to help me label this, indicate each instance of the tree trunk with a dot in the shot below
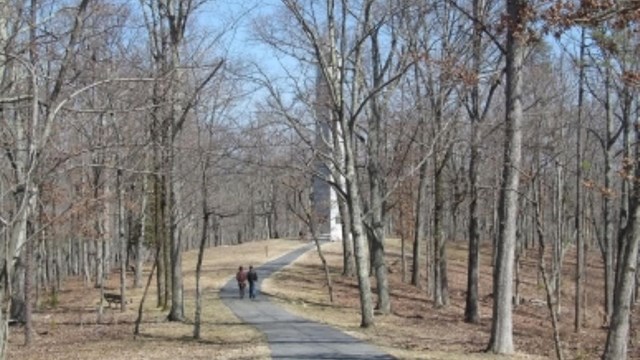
(136, 330)
(625, 194)
(471, 314)
(403, 257)
(440, 291)
(159, 238)
(421, 216)
(325, 266)
(177, 307)
(348, 261)
(122, 241)
(543, 271)
(608, 239)
(28, 271)
(558, 247)
(40, 277)
(518, 263)
(440, 158)
(471, 304)
(430, 256)
(4, 323)
(501, 341)
(203, 241)
(376, 191)
(579, 306)
(167, 242)
(101, 286)
(137, 281)
(359, 237)
(275, 233)
(86, 263)
(28, 281)
(17, 263)
(17, 310)
(618, 335)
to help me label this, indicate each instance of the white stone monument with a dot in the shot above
(324, 198)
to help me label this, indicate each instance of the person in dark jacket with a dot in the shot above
(252, 276)
(241, 277)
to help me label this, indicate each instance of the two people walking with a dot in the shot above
(243, 277)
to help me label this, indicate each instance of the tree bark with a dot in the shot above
(580, 244)
(501, 341)
(28, 283)
(159, 239)
(176, 312)
(473, 261)
(377, 204)
(348, 261)
(440, 291)
(203, 240)
(137, 280)
(608, 239)
(357, 231)
(28, 328)
(4, 321)
(421, 206)
(136, 330)
(545, 280)
(618, 334)
(471, 304)
(558, 247)
(103, 246)
(122, 240)
(419, 228)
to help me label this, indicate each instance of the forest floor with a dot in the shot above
(414, 330)
(70, 330)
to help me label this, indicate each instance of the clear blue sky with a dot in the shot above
(241, 14)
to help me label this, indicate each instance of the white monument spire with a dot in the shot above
(325, 199)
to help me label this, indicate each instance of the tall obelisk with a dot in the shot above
(325, 200)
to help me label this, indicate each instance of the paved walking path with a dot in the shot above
(290, 336)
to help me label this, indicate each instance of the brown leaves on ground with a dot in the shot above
(414, 330)
(70, 329)
(418, 330)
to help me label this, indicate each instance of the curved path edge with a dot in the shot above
(290, 336)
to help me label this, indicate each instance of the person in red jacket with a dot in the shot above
(241, 277)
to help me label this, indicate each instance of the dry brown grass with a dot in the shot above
(418, 330)
(70, 330)
(415, 329)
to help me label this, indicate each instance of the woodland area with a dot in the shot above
(134, 131)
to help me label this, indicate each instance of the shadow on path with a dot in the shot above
(290, 336)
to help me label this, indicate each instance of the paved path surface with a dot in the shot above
(290, 336)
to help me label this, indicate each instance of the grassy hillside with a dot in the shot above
(418, 330)
(69, 330)
(414, 330)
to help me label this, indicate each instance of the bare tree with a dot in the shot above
(502, 322)
(206, 214)
(478, 110)
(167, 23)
(338, 53)
(580, 243)
(31, 135)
